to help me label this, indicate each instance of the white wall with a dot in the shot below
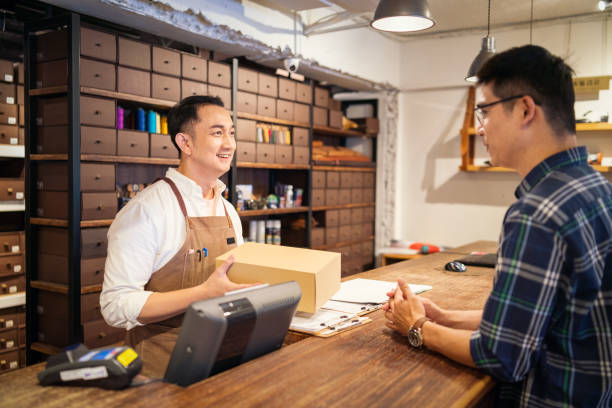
(437, 202)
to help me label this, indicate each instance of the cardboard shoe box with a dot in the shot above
(247, 80)
(54, 268)
(318, 179)
(333, 179)
(317, 272)
(246, 102)
(301, 155)
(246, 130)
(9, 135)
(133, 81)
(12, 242)
(194, 67)
(7, 93)
(245, 151)
(317, 237)
(318, 197)
(134, 54)
(219, 74)
(11, 189)
(300, 136)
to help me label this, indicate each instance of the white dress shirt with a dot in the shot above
(145, 235)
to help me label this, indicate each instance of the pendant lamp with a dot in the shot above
(487, 50)
(399, 16)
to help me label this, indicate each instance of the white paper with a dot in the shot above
(370, 290)
(317, 321)
(349, 307)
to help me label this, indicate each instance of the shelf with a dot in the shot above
(103, 92)
(259, 118)
(343, 206)
(484, 169)
(5, 254)
(274, 166)
(324, 130)
(17, 151)
(10, 206)
(108, 159)
(45, 348)
(277, 211)
(593, 127)
(14, 299)
(341, 244)
(63, 289)
(54, 222)
(334, 164)
(345, 168)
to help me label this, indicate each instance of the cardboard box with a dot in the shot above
(317, 272)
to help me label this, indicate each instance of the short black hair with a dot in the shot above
(185, 113)
(532, 70)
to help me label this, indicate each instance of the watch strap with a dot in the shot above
(419, 323)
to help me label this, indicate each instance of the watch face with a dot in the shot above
(414, 338)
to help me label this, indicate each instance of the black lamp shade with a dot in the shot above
(486, 51)
(402, 15)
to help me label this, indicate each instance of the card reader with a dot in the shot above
(111, 368)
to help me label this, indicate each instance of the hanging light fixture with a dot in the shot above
(603, 5)
(486, 51)
(402, 15)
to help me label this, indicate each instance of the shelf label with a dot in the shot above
(592, 84)
(13, 140)
(15, 248)
(8, 78)
(12, 120)
(10, 100)
(17, 268)
(13, 289)
(19, 195)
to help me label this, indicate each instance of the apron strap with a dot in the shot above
(229, 219)
(176, 193)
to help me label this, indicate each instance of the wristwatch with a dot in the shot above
(415, 336)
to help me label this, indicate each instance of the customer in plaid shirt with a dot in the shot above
(546, 329)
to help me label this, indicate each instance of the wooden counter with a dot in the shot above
(367, 366)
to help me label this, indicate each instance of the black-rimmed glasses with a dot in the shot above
(482, 114)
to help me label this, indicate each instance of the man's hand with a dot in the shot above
(403, 309)
(218, 283)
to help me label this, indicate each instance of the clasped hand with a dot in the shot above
(403, 309)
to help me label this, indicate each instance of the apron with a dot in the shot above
(189, 267)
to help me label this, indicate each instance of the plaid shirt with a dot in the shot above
(546, 329)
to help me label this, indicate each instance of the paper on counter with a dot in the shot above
(317, 321)
(350, 307)
(370, 291)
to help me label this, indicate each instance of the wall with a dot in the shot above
(439, 203)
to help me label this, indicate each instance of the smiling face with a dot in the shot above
(213, 144)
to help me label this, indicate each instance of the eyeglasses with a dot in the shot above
(481, 114)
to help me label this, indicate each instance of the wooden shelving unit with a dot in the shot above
(63, 289)
(272, 166)
(267, 119)
(342, 244)
(54, 222)
(274, 211)
(329, 131)
(345, 168)
(57, 90)
(343, 206)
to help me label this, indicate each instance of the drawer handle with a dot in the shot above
(219, 75)
(99, 271)
(132, 144)
(166, 62)
(99, 243)
(164, 147)
(166, 88)
(101, 335)
(96, 112)
(267, 86)
(97, 142)
(97, 75)
(8, 266)
(248, 81)
(97, 177)
(100, 207)
(10, 190)
(98, 45)
(193, 68)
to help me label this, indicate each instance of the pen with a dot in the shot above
(205, 251)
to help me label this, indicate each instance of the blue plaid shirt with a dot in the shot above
(546, 326)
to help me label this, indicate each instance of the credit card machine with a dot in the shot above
(111, 367)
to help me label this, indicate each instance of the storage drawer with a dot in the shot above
(54, 268)
(98, 44)
(332, 218)
(267, 85)
(245, 151)
(165, 87)
(246, 130)
(319, 116)
(368, 195)
(266, 106)
(303, 93)
(368, 214)
(335, 119)
(318, 179)
(357, 215)
(368, 179)
(284, 110)
(283, 154)
(166, 61)
(11, 242)
(7, 93)
(162, 146)
(52, 112)
(223, 93)
(335, 104)
(9, 318)
(264, 153)
(301, 113)
(8, 114)
(247, 80)
(345, 233)
(21, 115)
(12, 265)
(21, 94)
(356, 196)
(94, 206)
(333, 179)
(286, 89)
(55, 306)
(9, 135)
(317, 237)
(300, 136)
(133, 82)
(52, 73)
(134, 54)
(358, 179)
(97, 74)
(331, 235)
(368, 229)
(12, 284)
(345, 196)
(132, 143)
(94, 177)
(344, 217)
(7, 71)
(301, 155)
(99, 334)
(95, 140)
(321, 97)
(11, 189)
(346, 179)
(318, 197)
(332, 196)
(190, 88)
(98, 111)
(246, 102)
(194, 68)
(9, 361)
(219, 74)
(51, 46)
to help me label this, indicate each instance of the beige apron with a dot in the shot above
(189, 267)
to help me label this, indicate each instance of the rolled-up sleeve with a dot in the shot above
(518, 311)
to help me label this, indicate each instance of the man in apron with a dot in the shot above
(162, 245)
